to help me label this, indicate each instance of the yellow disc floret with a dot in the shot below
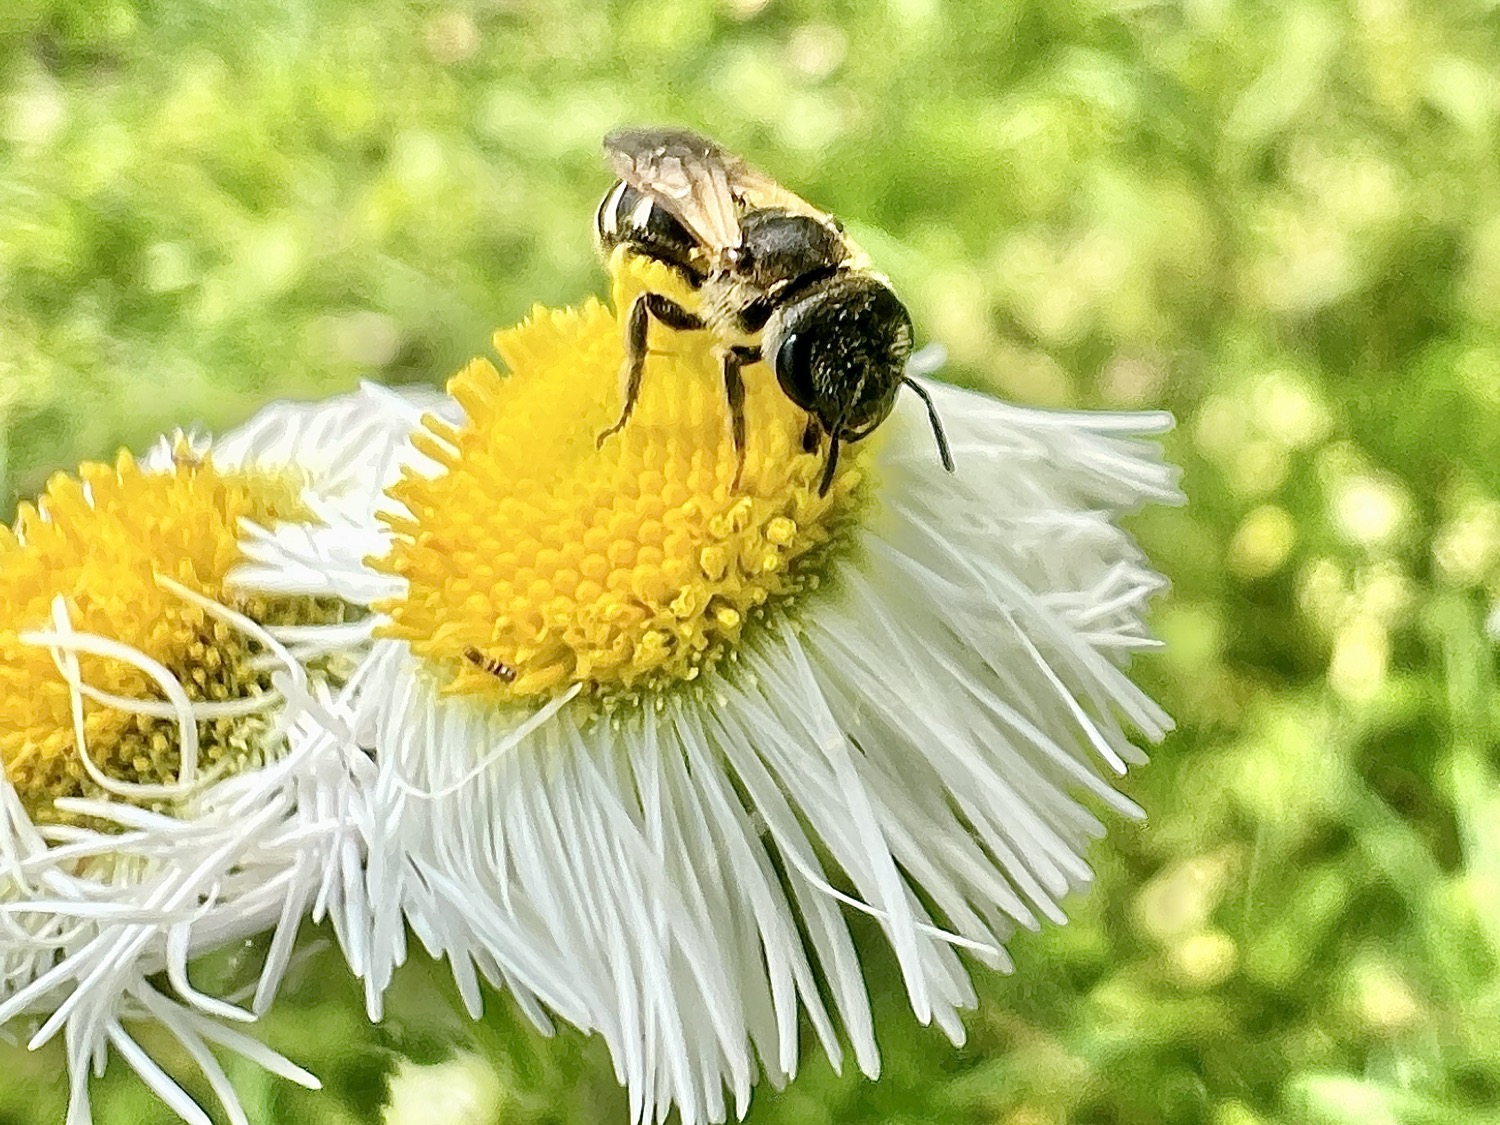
(99, 540)
(537, 559)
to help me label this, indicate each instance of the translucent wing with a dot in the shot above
(754, 189)
(701, 184)
(687, 174)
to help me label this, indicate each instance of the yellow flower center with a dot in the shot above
(536, 559)
(99, 541)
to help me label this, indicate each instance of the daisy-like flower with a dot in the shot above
(645, 738)
(165, 790)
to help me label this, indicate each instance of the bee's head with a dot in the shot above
(839, 351)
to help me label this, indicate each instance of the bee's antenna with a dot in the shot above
(831, 464)
(937, 423)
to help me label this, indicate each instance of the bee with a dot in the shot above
(777, 280)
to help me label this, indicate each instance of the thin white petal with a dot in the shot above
(932, 720)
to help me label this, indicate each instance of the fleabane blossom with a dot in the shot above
(165, 790)
(646, 737)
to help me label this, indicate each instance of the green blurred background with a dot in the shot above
(1281, 221)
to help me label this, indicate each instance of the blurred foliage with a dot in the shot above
(1280, 221)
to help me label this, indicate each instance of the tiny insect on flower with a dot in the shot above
(651, 717)
(164, 791)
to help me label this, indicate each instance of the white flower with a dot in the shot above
(644, 738)
(165, 790)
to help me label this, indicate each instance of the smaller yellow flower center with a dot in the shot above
(99, 541)
(536, 560)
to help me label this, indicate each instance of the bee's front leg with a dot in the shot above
(642, 309)
(812, 435)
(735, 358)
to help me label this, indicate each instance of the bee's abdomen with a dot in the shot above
(631, 218)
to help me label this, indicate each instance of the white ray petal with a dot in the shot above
(926, 739)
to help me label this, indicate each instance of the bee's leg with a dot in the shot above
(635, 362)
(830, 465)
(642, 309)
(736, 358)
(670, 313)
(811, 435)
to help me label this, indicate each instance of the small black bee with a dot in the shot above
(777, 279)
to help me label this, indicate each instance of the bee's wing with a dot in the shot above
(687, 174)
(755, 190)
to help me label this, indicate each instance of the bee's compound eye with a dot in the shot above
(793, 363)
